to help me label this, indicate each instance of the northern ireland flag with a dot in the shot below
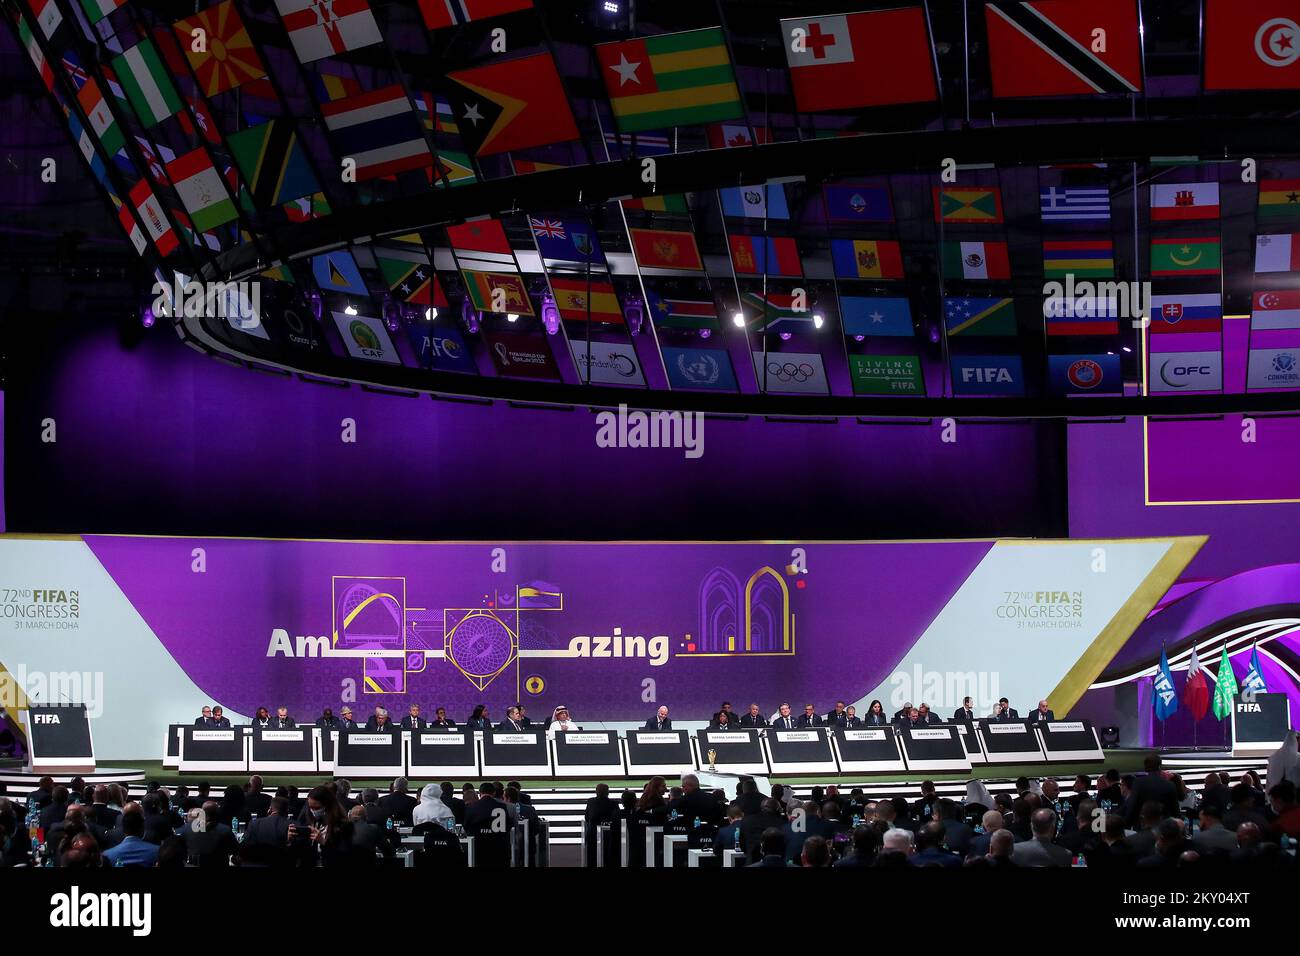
(321, 28)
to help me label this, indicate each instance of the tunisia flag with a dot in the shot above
(1196, 693)
(860, 59)
(1252, 46)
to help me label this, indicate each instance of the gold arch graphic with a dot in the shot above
(787, 619)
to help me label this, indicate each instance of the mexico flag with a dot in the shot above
(976, 260)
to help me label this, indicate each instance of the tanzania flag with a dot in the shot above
(967, 205)
(228, 58)
(572, 299)
(674, 79)
(671, 203)
(1089, 258)
(202, 190)
(1165, 698)
(481, 287)
(778, 256)
(411, 281)
(976, 260)
(867, 259)
(273, 163)
(666, 249)
(1185, 257)
(677, 313)
(1279, 198)
(147, 85)
(976, 316)
(1225, 688)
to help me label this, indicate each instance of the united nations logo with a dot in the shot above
(699, 369)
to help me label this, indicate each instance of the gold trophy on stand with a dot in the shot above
(712, 755)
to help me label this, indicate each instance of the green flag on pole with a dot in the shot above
(1225, 687)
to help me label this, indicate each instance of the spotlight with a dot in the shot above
(634, 312)
(738, 320)
(469, 315)
(786, 336)
(859, 338)
(147, 317)
(316, 305)
(818, 321)
(610, 7)
(511, 317)
(550, 314)
(349, 309)
(706, 333)
(1127, 349)
(430, 313)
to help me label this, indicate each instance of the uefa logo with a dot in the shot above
(1084, 373)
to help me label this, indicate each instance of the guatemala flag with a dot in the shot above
(1166, 698)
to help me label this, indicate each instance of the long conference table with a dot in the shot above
(454, 753)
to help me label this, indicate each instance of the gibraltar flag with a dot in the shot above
(1196, 693)
(321, 28)
(860, 59)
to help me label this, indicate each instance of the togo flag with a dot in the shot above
(1225, 688)
(147, 84)
(202, 190)
(1166, 698)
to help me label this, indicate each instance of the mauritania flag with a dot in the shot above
(1185, 257)
(876, 315)
(969, 315)
(1279, 198)
(1253, 682)
(1074, 203)
(1225, 687)
(96, 10)
(674, 79)
(202, 190)
(1165, 697)
(147, 84)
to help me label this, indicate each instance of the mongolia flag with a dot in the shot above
(854, 60)
(1253, 682)
(1225, 687)
(572, 299)
(1166, 698)
(378, 130)
(867, 259)
(780, 259)
(1277, 253)
(1197, 691)
(321, 28)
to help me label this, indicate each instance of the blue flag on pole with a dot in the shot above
(1253, 682)
(1166, 698)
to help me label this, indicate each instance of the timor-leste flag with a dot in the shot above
(666, 249)
(967, 204)
(1048, 47)
(858, 60)
(515, 104)
(1252, 46)
(1279, 198)
(674, 79)
(218, 48)
(1185, 257)
(573, 299)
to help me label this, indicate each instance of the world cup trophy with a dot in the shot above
(712, 755)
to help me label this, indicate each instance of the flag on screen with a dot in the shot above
(618, 145)
(858, 204)
(665, 249)
(307, 207)
(486, 289)
(877, 58)
(229, 58)
(676, 312)
(1080, 257)
(449, 13)
(1196, 691)
(321, 28)
(731, 135)
(1253, 682)
(203, 124)
(525, 166)
(1275, 310)
(876, 315)
(1183, 201)
(572, 298)
(778, 256)
(29, 41)
(1279, 198)
(1047, 48)
(569, 240)
(154, 160)
(515, 104)
(1074, 203)
(380, 131)
(273, 163)
(87, 146)
(47, 15)
(1251, 46)
(202, 191)
(673, 79)
(483, 243)
(72, 66)
(966, 315)
(410, 277)
(674, 203)
(96, 10)
(867, 259)
(1279, 252)
(152, 94)
(1085, 374)
(337, 272)
(1165, 697)
(975, 204)
(1201, 312)
(773, 311)
(755, 202)
(130, 225)
(155, 221)
(327, 87)
(1225, 686)
(976, 260)
(1082, 315)
(101, 118)
(1185, 257)
(455, 167)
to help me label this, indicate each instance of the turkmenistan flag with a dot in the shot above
(147, 84)
(674, 79)
(1185, 257)
(1225, 687)
(202, 190)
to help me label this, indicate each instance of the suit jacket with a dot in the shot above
(751, 833)
(725, 838)
(962, 714)
(417, 723)
(781, 722)
(1217, 838)
(102, 814)
(751, 803)
(697, 803)
(1036, 716)
(876, 720)
(373, 726)
(654, 724)
(1036, 852)
(1011, 714)
(442, 723)
(806, 721)
(478, 723)
(480, 816)
(204, 722)
(211, 847)
(132, 851)
(52, 814)
(749, 720)
(287, 723)
(834, 719)
(347, 723)
(513, 726)
(1152, 787)
(851, 722)
(399, 806)
(268, 831)
(934, 857)
(329, 723)
(600, 811)
(158, 827)
(221, 722)
(931, 718)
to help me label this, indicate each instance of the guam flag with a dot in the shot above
(1166, 698)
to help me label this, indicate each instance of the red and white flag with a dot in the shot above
(321, 28)
(155, 221)
(1252, 46)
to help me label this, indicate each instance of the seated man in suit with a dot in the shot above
(205, 719)
(398, 803)
(1005, 711)
(380, 721)
(836, 717)
(904, 712)
(272, 829)
(754, 718)
(912, 720)
(965, 712)
(524, 719)
(784, 719)
(345, 720)
(440, 719)
(327, 721)
(695, 802)
(851, 718)
(753, 827)
(602, 808)
(368, 840)
(413, 720)
(1041, 850)
(282, 719)
(927, 715)
(219, 718)
(513, 722)
(810, 717)
(659, 721)
(728, 835)
(1213, 837)
(256, 802)
(1042, 714)
(100, 812)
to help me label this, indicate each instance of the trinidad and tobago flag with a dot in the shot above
(1047, 47)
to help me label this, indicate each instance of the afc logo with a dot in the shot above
(46, 718)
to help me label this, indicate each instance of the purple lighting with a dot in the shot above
(469, 315)
(147, 317)
(550, 314)
(634, 312)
